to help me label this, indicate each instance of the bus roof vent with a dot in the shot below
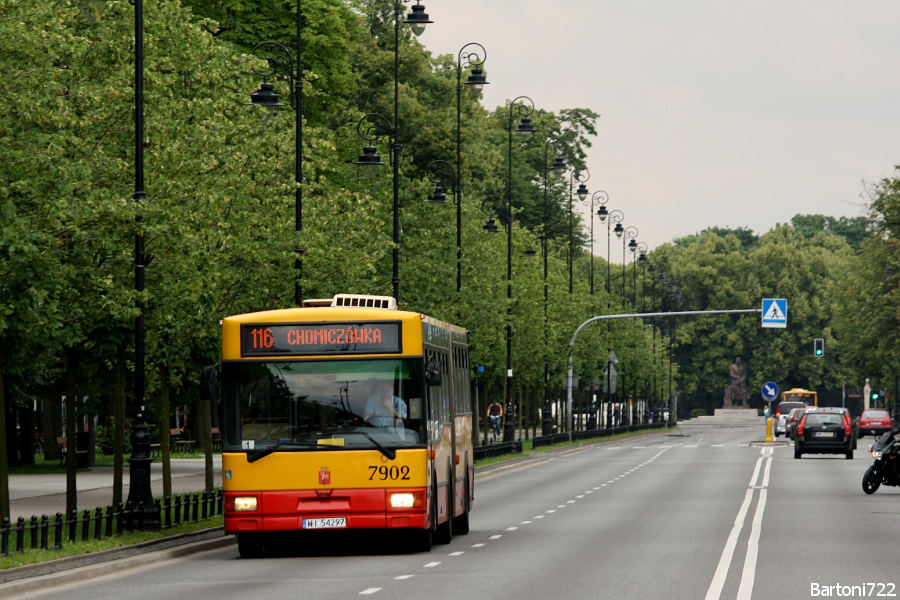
(312, 303)
(364, 301)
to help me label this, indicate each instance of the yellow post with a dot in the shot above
(769, 438)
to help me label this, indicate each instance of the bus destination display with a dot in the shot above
(300, 339)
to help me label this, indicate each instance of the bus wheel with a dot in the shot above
(444, 532)
(250, 545)
(461, 523)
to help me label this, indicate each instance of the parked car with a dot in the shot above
(875, 421)
(825, 431)
(793, 419)
(781, 414)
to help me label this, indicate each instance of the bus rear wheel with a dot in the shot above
(461, 523)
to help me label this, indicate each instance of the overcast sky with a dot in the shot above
(732, 114)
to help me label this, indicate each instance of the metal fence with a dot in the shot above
(557, 438)
(497, 449)
(100, 524)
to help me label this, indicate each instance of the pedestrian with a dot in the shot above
(494, 412)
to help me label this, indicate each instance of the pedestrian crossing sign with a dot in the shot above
(774, 312)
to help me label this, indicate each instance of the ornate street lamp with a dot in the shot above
(627, 234)
(582, 195)
(472, 56)
(140, 496)
(417, 19)
(558, 166)
(281, 64)
(601, 198)
(523, 106)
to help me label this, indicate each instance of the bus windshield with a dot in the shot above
(319, 405)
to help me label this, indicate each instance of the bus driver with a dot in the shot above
(384, 408)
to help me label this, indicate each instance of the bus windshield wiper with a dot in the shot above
(386, 451)
(270, 449)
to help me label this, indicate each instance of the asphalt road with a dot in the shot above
(706, 514)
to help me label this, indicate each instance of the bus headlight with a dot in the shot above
(244, 503)
(406, 500)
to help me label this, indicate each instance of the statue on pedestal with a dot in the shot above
(736, 394)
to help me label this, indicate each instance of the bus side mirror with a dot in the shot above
(433, 373)
(208, 383)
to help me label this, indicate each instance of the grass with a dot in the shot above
(79, 548)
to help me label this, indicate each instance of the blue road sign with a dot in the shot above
(774, 312)
(769, 390)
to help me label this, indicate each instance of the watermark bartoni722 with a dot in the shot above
(865, 590)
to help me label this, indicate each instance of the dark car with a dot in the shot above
(793, 419)
(781, 414)
(875, 421)
(825, 431)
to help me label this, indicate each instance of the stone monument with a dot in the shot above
(736, 394)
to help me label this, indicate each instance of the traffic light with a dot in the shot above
(819, 347)
(875, 397)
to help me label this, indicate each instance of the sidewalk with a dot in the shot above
(46, 494)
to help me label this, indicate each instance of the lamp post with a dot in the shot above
(628, 234)
(557, 166)
(417, 19)
(140, 496)
(600, 197)
(643, 260)
(492, 205)
(440, 172)
(582, 195)
(616, 216)
(281, 64)
(472, 56)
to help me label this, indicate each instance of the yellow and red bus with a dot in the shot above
(345, 414)
(807, 397)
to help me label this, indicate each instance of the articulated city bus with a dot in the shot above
(345, 414)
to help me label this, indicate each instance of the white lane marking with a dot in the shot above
(582, 495)
(495, 537)
(404, 577)
(477, 545)
(717, 446)
(588, 492)
(596, 488)
(524, 522)
(691, 446)
(431, 565)
(456, 553)
(748, 575)
(511, 528)
(718, 581)
(639, 447)
(551, 511)
(570, 502)
(369, 591)
(538, 516)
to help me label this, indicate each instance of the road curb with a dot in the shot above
(40, 576)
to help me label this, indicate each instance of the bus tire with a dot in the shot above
(461, 523)
(444, 532)
(250, 545)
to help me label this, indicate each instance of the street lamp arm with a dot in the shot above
(473, 58)
(373, 127)
(280, 62)
(440, 172)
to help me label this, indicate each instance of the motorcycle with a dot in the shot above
(886, 468)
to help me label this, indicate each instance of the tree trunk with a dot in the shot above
(4, 465)
(71, 432)
(207, 441)
(164, 427)
(118, 413)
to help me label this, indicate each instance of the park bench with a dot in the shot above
(178, 441)
(63, 450)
